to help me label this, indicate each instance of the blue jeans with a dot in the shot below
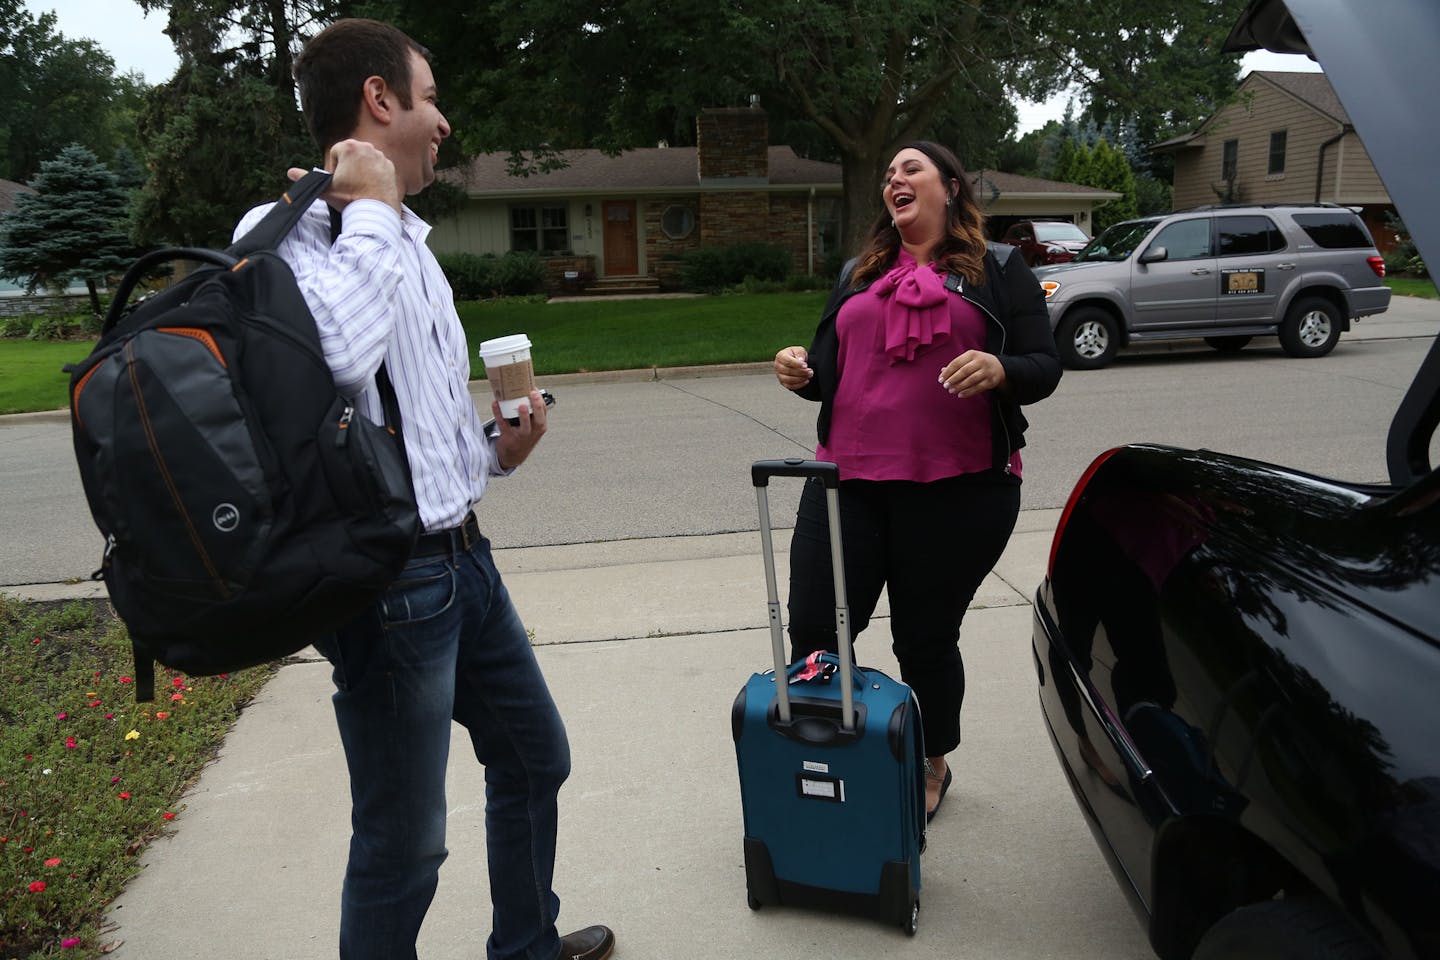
(445, 642)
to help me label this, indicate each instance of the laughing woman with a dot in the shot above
(928, 346)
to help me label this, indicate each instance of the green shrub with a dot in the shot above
(471, 276)
(480, 277)
(53, 327)
(712, 269)
(15, 326)
(518, 274)
(1404, 258)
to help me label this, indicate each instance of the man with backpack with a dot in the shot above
(444, 641)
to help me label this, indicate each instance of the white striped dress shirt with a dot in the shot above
(379, 294)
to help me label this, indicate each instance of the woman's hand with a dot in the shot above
(974, 371)
(791, 369)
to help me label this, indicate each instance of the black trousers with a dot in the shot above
(930, 545)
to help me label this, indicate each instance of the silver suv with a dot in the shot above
(1226, 273)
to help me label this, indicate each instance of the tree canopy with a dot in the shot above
(840, 80)
(58, 91)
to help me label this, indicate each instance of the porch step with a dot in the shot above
(616, 286)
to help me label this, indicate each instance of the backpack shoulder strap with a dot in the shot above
(272, 228)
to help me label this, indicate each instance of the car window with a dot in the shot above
(1017, 232)
(1335, 231)
(1185, 239)
(1059, 231)
(1241, 236)
(1117, 242)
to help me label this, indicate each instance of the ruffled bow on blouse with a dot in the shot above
(915, 310)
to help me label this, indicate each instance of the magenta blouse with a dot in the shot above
(892, 418)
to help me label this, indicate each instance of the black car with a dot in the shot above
(1239, 662)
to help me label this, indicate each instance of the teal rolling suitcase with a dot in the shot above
(831, 763)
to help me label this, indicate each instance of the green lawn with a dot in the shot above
(1412, 287)
(567, 337)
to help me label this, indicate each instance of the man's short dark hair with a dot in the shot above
(332, 69)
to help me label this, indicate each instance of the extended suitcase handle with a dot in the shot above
(760, 473)
(762, 470)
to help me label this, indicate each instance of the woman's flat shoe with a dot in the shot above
(930, 775)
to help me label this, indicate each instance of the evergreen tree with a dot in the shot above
(71, 226)
(1109, 170)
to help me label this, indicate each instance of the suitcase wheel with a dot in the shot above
(912, 924)
(751, 899)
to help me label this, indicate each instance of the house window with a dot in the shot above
(677, 221)
(1277, 153)
(827, 226)
(1229, 159)
(542, 229)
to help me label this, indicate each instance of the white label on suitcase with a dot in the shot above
(815, 766)
(821, 788)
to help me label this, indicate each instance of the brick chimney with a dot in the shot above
(732, 143)
(732, 148)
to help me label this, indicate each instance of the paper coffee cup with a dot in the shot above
(508, 368)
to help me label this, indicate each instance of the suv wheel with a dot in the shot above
(1087, 338)
(1300, 929)
(1311, 328)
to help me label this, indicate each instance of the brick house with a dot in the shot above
(1285, 138)
(628, 220)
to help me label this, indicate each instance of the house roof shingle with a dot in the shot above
(1312, 88)
(9, 190)
(657, 169)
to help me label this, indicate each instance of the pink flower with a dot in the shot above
(69, 743)
(115, 779)
(161, 714)
(177, 696)
(53, 862)
(69, 943)
(109, 716)
(61, 716)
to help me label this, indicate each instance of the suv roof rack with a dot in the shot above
(1263, 206)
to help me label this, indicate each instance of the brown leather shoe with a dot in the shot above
(592, 943)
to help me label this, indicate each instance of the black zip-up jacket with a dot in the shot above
(1017, 332)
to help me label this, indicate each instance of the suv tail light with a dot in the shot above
(1070, 505)
(1378, 265)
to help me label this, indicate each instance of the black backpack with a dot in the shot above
(247, 506)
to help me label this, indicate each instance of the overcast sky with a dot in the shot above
(137, 43)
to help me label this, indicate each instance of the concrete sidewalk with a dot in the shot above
(645, 644)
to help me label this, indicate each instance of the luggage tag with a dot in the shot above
(815, 667)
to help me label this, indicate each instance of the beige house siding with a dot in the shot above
(1264, 107)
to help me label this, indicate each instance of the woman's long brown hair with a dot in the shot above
(961, 250)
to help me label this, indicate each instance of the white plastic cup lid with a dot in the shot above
(511, 344)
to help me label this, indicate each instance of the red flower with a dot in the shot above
(125, 796)
(168, 816)
(53, 862)
(38, 886)
(69, 743)
(161, 714)
(94, 703)
(124, 679)
(177, 696)
(178, 682)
